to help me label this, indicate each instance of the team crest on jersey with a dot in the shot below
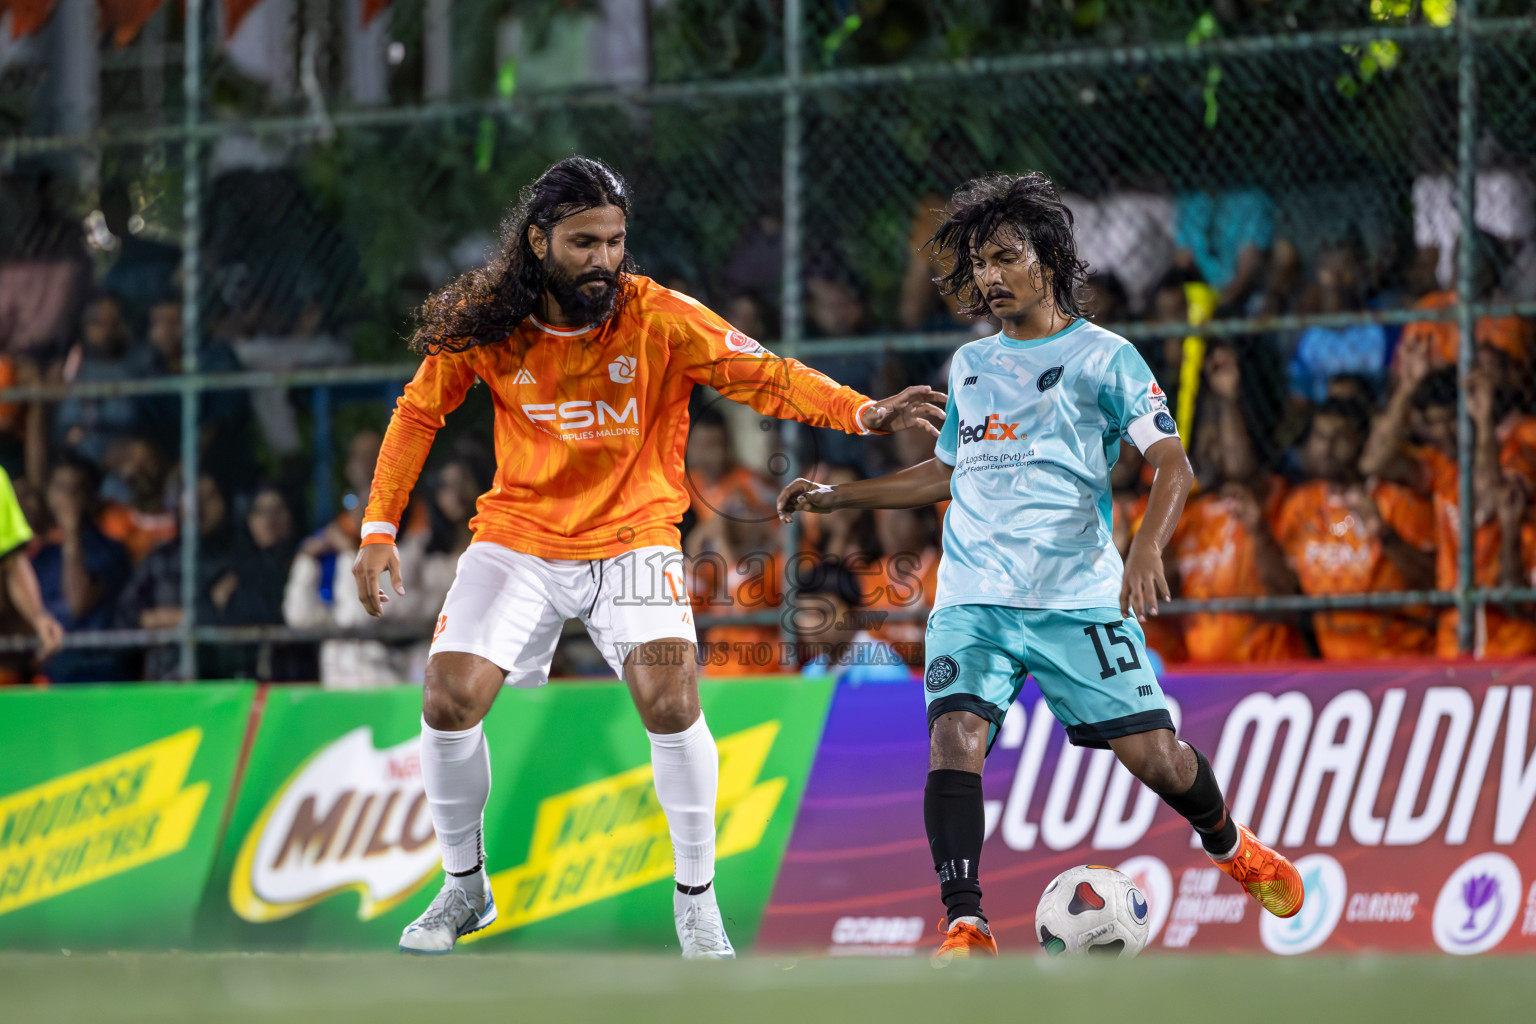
(1164, 422)
(1049, 379)
(941, 672)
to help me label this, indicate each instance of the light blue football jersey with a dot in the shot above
(1032, 429)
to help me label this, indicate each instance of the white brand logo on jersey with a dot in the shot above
(580, 415)
(622, 370)
(524, 377)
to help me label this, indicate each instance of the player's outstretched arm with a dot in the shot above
(708, 351)
(1144, 581)
(922, 484)
(919, 406)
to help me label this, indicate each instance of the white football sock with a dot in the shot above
(456, 773)
(687, 770)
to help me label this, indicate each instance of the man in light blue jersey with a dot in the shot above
(1030, 582)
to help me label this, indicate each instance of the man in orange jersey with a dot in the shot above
(714, 477)
(1346, 535)
(1224, 545)
(1503, 456)
(590, 367)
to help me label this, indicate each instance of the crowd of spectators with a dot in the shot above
(1325, 458)
(93, 481)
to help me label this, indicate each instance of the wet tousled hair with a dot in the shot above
(1008, 206)
(485, 305)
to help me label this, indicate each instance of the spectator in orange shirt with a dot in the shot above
(736, 567)
(1504, 454)
(1224, 546)
(1346, 535)
(902, 581)
(714, 478)
(1130, 479)
(148, 519)
(844, 532)
(1509, 334)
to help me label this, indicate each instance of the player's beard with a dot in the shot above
(579, 303)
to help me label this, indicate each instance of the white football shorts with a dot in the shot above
(509, 607)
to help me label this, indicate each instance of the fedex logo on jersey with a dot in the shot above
(570, 417)
(991, 429)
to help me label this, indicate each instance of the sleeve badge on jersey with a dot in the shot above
(1164, 422)
(941, 672)
(738, 342)
(1049, 379)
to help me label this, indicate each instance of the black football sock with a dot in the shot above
(1203, 805)
(956, 821)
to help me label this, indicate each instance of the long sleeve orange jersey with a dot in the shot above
(591, 423)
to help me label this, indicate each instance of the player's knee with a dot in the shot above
(672, 710)
(958, 741)
(1158, 761)
(448, 704)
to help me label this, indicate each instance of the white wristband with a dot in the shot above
(859, 419)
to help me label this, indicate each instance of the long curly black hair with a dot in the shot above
(483, 306)
(1023, 206)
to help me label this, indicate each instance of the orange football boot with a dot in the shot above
(1268, 876)
(966, 936)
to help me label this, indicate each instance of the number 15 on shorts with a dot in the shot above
(1116, 639)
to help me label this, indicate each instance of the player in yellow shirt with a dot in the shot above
(20, 581)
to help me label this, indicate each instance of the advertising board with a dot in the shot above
(1403, 793)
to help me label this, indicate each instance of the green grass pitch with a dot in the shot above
(501, 987)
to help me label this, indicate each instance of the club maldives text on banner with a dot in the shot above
(1403, 793)
(111, 799)
(330, 843)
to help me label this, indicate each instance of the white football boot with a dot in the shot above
(453, 914)
(700, 931)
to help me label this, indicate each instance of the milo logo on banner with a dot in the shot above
(351, 818)
(98, 821)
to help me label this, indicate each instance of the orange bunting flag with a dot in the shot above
(125, 18)
(235, 12)
(27, 16)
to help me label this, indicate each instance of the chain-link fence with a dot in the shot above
(215, 224)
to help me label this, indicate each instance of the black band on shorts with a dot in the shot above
(976, 706)
(1099, 734)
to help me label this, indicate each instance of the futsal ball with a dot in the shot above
(1092, 910)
